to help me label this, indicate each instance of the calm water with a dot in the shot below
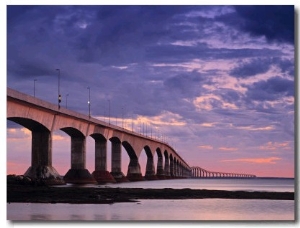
(257, 184)
(149, 210)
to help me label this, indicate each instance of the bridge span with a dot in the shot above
(43, 118)
(202, 173)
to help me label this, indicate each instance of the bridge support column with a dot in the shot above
(171, 167)
(101, 174)
(134, 170)
(167, 167)
(78, 174)
(160, 168)
(174, 168)
(41, 159)
(116, 171)
(150, 169)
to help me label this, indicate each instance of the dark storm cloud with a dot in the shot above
(121, 33)
(115, 35)
(104, 34)
(272, 89)
(252, 67)
(276, 23)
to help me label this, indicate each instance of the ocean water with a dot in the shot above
(171, 210)
(256, 184)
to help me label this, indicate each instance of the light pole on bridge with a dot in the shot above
(58, 87)
(108, 111)
(89, 101)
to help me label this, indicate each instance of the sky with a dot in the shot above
(215, 82)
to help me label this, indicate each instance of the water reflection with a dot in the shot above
(77, 217)
(40, 217)
(155, 210)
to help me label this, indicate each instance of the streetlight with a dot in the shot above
(67, 100)
(58, 88)
(89, 101)
(34, 87)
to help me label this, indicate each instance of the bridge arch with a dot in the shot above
(30, 124)
(134, 168)
(41, 149)
(43, 115)
(150, 166)
(78, 158)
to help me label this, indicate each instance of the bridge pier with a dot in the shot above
(41, 159)
(150, 169)
(101, 174)
(174, 168)
(134, 170)
(78, 174)
(167, 166)
(171, 167)
(116, 171)
(160, 168)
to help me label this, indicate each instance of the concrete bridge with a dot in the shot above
(202, 173)
(43, 118)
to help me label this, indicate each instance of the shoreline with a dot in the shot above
(17, 193)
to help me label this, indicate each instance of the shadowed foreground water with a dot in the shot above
(152, 210)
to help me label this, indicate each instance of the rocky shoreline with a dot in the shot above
(25, 191)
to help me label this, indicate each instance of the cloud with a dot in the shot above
(211, 101)
(270, 160)
(271, 146)
(57, 137)
(166, 53)
(208, 124)
(253, 128)
(165, 118)
(251, 67)
(188, 84)
(228, 148)
(206, 147)
(271, 89)
(276, 23)
(18, 133)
